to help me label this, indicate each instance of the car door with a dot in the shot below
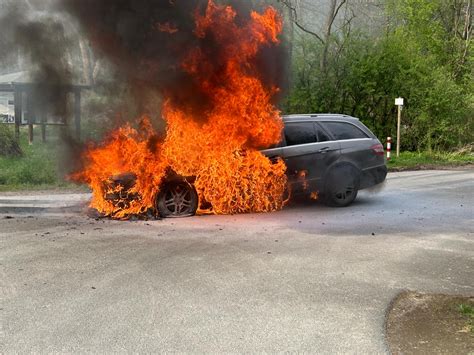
(308, 151)
(327, 153)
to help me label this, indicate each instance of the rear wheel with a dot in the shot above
(342, 185)
(177, 199)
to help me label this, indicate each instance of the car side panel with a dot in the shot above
(358, 152)
(373, 176)
(307, 164)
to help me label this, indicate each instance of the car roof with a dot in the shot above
(321, 117)
(318, 117)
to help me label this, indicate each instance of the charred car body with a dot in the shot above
(328, 155)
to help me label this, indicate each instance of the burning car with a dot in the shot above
(218, 106)
(217, 69)
(327, 156)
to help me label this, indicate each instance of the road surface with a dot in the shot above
(308, 278)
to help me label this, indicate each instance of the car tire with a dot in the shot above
(177, 199)
(342, 185)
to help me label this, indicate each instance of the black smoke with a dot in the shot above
(129, 33)
(41, 40)
(143, 60)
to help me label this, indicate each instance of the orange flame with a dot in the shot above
(222, 153)
(302, 179)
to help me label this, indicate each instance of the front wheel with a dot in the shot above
(177, 199)
(342, 185)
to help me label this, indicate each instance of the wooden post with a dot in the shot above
(399, 103)
(18, 111)
(77, 112)
(399, 119)
(29, 116)
(43, 126)
(30, 133)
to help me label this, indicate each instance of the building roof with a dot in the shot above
(24, 79)
(18, 77)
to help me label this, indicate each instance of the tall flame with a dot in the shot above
(222, 153)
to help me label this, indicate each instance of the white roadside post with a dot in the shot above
(399, 103)
(389, 147)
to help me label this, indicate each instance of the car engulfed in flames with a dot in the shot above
(176, 196)
(207, 161)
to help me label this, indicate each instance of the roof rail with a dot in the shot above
(319, 115)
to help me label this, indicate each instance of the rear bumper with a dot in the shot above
(373, 176)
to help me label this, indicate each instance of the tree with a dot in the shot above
(422, 53)
(335, 6)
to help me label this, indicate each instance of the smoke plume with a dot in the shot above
(39, 38)
(142, 45)
(146, 41)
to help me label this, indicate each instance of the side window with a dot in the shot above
(322, 136)
(342, 130)
(300, 133)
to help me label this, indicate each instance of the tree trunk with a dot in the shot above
(327, 33)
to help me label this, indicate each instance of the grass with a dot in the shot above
(37, 168)
(468, 311)
(427, 160)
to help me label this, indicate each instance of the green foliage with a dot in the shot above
(420, 56)
(8, 144)
(438, 28)
(468, 310)
(37, 166)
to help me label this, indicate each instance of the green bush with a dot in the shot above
(8, 144)
(36, 166)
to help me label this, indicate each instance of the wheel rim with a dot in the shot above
(178, 200)
(345, 193)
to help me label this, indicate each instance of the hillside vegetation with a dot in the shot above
(421, 53)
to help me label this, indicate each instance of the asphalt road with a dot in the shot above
(308, 278)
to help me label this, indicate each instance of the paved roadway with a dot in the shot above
(308, 278)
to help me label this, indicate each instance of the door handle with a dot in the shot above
(324, 150)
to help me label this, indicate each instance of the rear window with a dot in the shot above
(300, 133)
(343, 130)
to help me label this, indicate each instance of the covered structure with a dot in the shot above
(18, 106)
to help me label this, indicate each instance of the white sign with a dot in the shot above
(399, 101)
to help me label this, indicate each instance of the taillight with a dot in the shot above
(378, 149)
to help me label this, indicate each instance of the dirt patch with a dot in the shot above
(429, 324)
